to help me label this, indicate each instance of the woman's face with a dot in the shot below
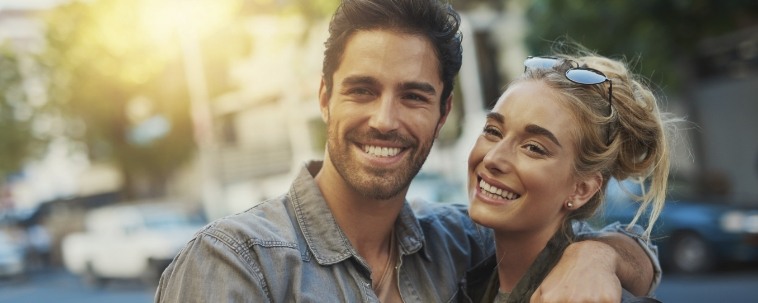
(521, 166)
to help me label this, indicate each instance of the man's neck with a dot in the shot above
(366, 222)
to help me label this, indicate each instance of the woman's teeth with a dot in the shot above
(497, 193)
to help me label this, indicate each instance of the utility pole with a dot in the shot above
(214, 202)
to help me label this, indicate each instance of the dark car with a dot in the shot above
(693, 236)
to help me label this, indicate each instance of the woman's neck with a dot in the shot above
(516, 252)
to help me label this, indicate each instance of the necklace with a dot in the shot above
(387, 267)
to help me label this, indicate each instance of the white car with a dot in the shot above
(131, 241)
(12, 262)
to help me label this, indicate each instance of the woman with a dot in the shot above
(549, 147)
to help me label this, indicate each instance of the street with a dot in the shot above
(732, 285)
(59, 286)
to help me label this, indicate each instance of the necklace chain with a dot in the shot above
(387, 266)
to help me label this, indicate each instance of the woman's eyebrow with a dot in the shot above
(541, 131)
(531, 128)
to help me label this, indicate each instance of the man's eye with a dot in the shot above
(415, 97)
(492, 131)
(359, 91)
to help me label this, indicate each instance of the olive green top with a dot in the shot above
(488, 291)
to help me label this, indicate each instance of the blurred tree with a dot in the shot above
(312, 11)
(17, 142)
(665, 34)
(116, 69)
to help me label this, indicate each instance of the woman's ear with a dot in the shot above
(585, 189)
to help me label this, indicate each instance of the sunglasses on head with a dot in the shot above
(576, 74)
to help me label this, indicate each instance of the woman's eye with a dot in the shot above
(533, 148)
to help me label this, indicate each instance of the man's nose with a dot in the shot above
(384, 117)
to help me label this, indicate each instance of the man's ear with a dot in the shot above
(445, 113)
(585, 189)
(323, 100)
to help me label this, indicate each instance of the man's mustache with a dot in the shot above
(373, 134)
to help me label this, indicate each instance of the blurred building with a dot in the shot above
(272, 125)
(725, 107)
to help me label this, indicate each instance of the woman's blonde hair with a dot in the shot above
(624, 138)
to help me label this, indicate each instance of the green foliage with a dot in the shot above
(115, 64)
(310, 9)
(663, 34)
(17, 142)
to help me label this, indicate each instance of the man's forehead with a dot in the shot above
(372, 53)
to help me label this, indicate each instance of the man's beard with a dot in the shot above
(377, 183)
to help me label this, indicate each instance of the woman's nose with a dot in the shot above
(499, 158)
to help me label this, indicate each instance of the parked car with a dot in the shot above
(132, 241)
(693, 235)
(12, 257)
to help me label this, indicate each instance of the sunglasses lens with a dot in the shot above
(584, 76)
(540, 62)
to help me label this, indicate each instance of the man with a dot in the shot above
(344, 232)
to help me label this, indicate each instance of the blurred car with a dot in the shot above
(433, 187)
(12, 257)
(132, 241)
(693, 236)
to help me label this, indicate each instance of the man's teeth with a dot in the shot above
(497, 192)
(379, 151)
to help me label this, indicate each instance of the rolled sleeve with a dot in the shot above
(584, 230)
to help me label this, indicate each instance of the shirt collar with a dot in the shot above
(325, 238)
(409, 232)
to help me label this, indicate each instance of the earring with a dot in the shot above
(570, 205)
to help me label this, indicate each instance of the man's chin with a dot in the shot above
(380, 187)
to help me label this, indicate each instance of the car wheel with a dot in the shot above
(91, 277)
(152, 273)
(689, 254)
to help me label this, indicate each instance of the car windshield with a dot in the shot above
(7, 245)
(677, 190)
(169, 220)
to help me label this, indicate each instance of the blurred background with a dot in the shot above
(127, 124)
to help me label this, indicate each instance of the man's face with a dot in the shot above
(383, 111)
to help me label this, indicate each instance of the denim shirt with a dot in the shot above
(290, 249)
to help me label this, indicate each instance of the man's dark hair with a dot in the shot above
(433, 19)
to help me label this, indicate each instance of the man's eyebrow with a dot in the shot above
(496, 116)
(422, 86)
(540, 131)
(354, 80)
